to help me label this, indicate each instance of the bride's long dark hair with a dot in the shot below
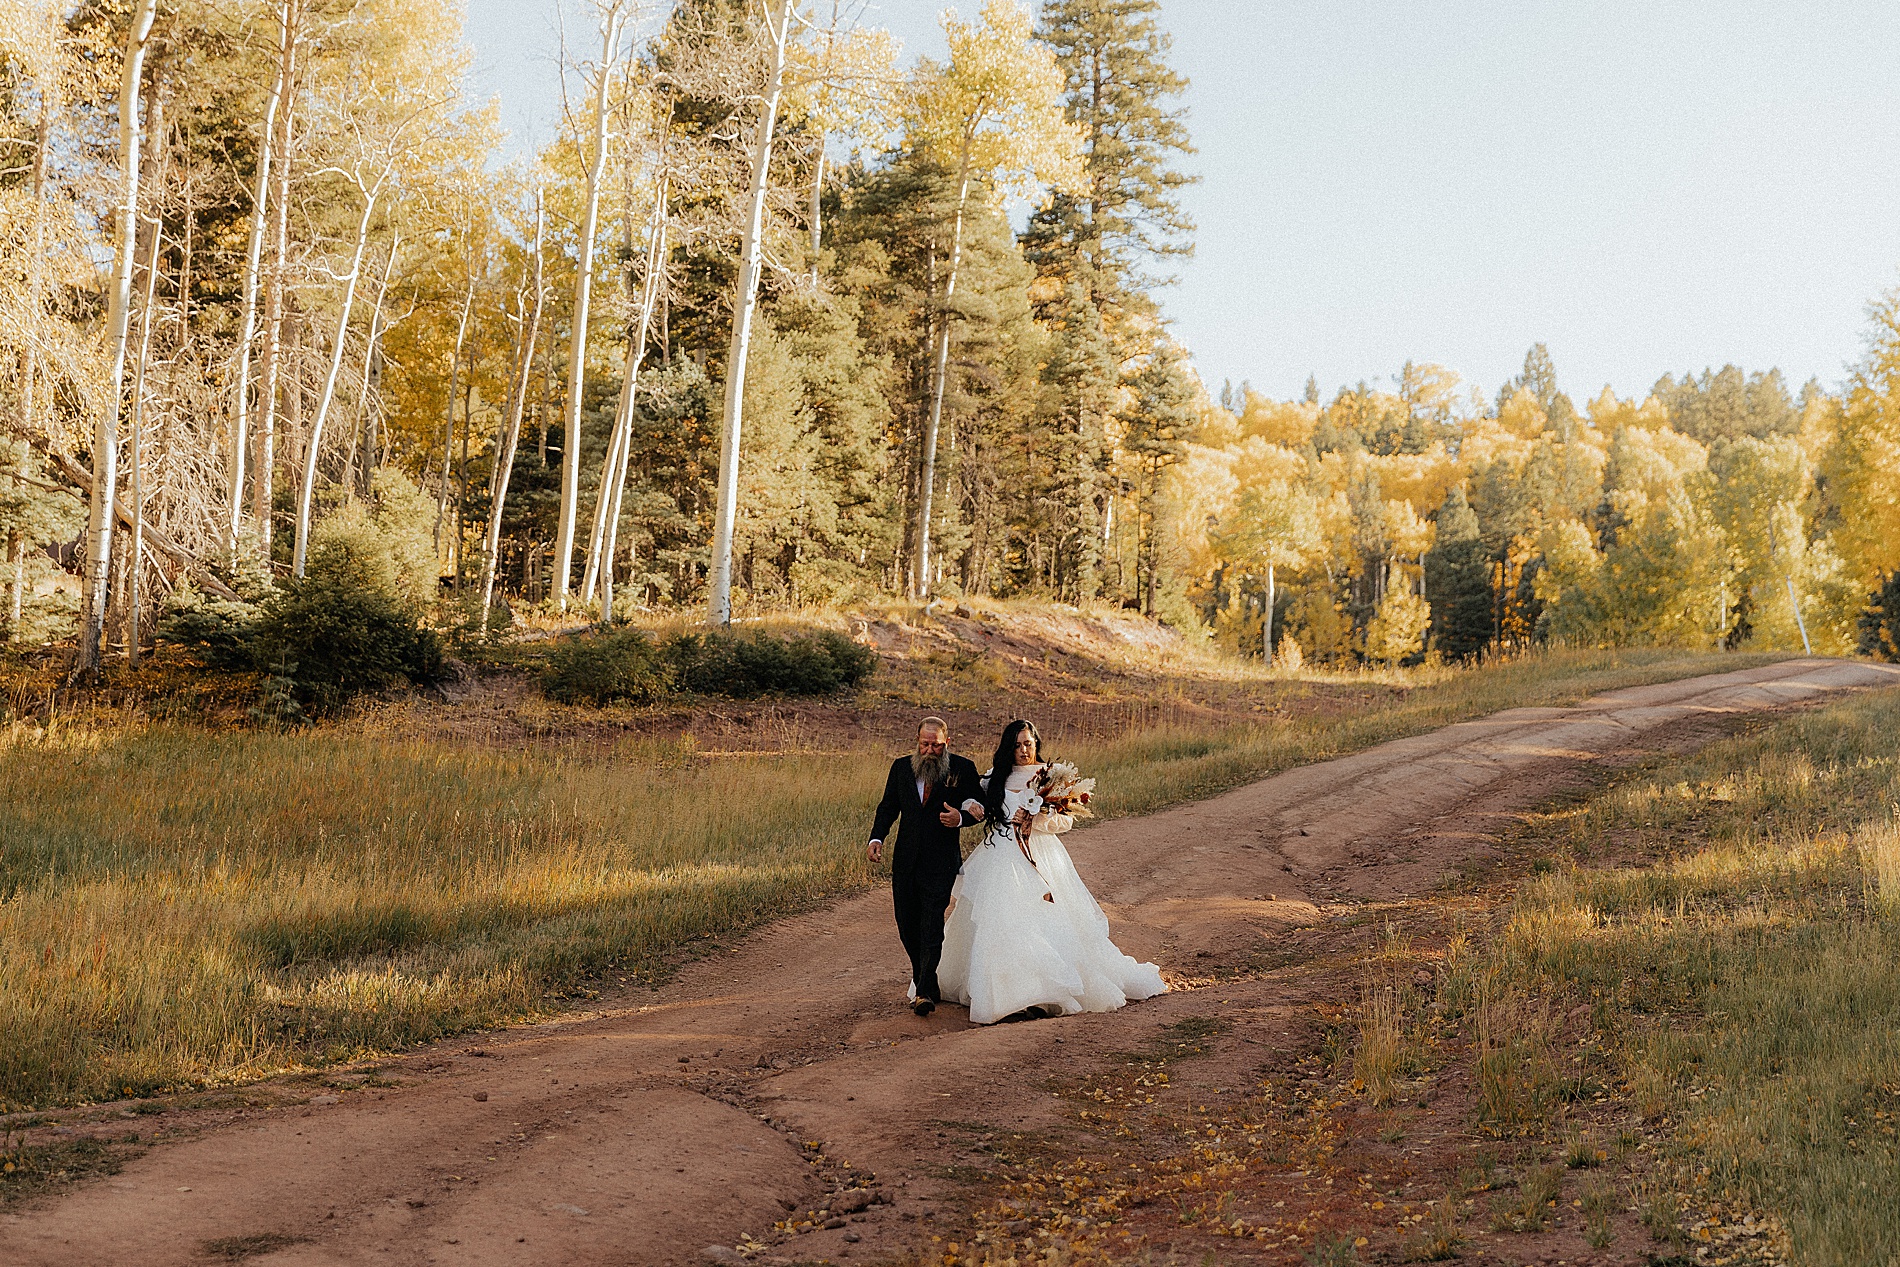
(1002, 763)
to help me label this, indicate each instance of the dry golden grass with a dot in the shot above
(1749, 975)
(180, 907)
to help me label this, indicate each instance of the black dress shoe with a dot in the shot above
(923, 1007)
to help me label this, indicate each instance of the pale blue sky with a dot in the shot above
(1642, 186)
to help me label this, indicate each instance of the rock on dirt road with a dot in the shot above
(668, 1126)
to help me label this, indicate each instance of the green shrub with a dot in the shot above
(220, 633)
(344, 628)
(627, 664)
(760, 663)
(598, 669)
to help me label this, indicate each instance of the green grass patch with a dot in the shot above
(1750, 972)
(180, 908)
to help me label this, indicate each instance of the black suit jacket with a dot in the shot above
(925, 840)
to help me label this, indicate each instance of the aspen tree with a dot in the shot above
(614, 17)
(778, 30)
(37, 32)
(105, 444)
(371, 190)
(992, 114)
(511, 435)
(247, 321)
(364, 431)
(613, 473)
(652, 284)
(276, 279)
(155, 155)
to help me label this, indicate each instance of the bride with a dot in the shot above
(1024, 933)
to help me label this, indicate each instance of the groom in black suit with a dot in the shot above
(933, 795)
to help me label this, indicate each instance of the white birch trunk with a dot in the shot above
(247, 321)
(448, 424)
(1266, 626)
(649, 299)
(612, 22)
(363, 434)
(505, 455)
(817, 210)
(263, 471)
(105, 441)
(307, 493)
(155, 158)
(137, 553)
(920, 579)
(719, 590)
(36, 268)
(609, 463)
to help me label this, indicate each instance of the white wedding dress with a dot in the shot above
(1008, 947)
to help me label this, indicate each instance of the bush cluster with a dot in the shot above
(630, 664)
(620, 664)
(343, 628)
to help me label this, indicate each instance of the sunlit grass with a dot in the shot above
(181, 907)
(1751, 973)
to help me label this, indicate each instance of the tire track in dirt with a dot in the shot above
(669, 1121)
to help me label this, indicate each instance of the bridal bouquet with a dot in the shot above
(1060, 788)
(1063, 789)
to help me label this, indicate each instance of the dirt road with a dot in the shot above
(668, 1126)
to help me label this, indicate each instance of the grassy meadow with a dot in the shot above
(1732, 922)
(181, 907)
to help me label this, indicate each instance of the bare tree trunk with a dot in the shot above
(363, 431)
(920, 582)
(505, 452)
(719, 595)
(105, 441)
(263, 470)
(1266, 626)
(653, 285)
(314, 442)
(613, 21)
(157, 159)
(247, 322)
(817, 209)
(18, 604)
(609, 463)
(30, 349)
(36, 269)
(613, 469)
(448, 426)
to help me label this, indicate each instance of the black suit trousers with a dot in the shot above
(920, 893)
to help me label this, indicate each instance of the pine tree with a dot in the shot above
(1458, 581)
(1157, 431)
(1117, 84)
(1079, 382)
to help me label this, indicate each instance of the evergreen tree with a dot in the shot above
(1113, 56)
(1157, 431)
(1726, 404)
(1079, 381)
(1458, 581)
(1880, 622)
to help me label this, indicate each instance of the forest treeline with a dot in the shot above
(755, 331)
